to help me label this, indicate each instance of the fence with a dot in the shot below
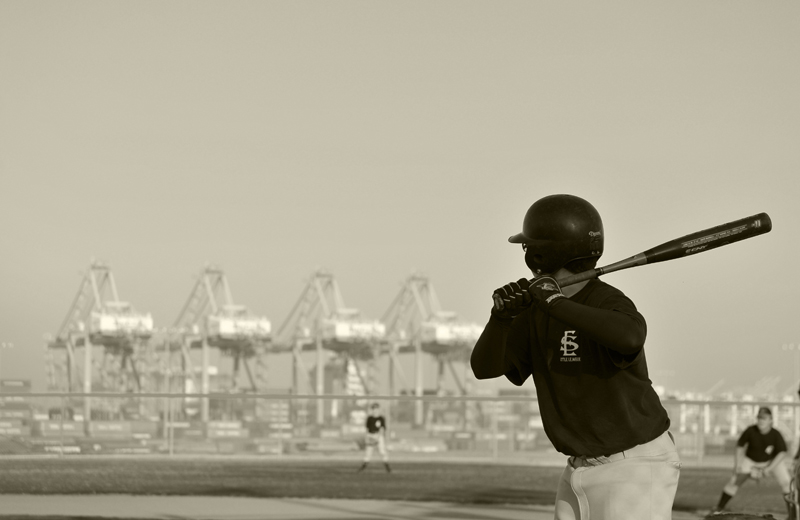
(492, 428)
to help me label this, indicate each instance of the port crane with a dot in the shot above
(98, 322)
(211, 320)
(415, 323)
(320, 322)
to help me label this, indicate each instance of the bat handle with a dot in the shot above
(563, 282)
(579, 277)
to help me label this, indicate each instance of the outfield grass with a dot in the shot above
(484, 483)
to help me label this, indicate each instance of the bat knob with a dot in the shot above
(498, 302)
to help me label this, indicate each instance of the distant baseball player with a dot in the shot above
(584, 347)
(760, 451)
(793, 500)
(375, 437)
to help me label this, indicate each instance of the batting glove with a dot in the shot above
(545, 291)
(511, 299)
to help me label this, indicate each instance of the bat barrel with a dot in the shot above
(712, 238)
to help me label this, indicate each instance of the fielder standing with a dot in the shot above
(584, 347)
(375, 437)
(792, 499)
(760, 451)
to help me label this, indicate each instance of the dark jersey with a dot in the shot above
(375, 424)
(594, 401)
(761, 447)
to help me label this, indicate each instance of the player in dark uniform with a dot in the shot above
(793, 500)
(760, 451)
(375, 437)
(584, 348)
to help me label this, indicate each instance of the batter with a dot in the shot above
(584, 348)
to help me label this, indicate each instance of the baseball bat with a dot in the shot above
(691, 244)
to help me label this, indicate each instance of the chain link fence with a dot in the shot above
(251, 424)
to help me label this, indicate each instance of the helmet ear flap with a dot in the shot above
(539, 263)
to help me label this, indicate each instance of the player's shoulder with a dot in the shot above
(603, 287)
(597, 291)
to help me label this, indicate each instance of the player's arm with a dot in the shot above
(781, 451)
(779, 458)
(489, 359)
(619, 331)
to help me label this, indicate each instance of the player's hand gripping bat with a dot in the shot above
(691, 244)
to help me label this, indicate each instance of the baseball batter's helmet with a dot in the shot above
(558, 229)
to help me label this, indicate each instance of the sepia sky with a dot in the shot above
(378, 139)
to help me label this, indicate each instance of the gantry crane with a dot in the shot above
(211, 319)
(98, 318)
(415, 322)
(321, 322)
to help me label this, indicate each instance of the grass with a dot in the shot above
(483, 483)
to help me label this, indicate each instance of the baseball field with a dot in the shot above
(445, 481)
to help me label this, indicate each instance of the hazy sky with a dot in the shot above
(376, 139)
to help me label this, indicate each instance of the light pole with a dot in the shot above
(796, 349)
(4, 345)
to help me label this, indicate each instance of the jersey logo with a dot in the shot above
(568, 346)
(768, 450)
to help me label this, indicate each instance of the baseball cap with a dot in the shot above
(764, 411)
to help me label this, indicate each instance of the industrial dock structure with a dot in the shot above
(119, 383)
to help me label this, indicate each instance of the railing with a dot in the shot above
(252, 424)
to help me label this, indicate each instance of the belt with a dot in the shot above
(660, 444)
